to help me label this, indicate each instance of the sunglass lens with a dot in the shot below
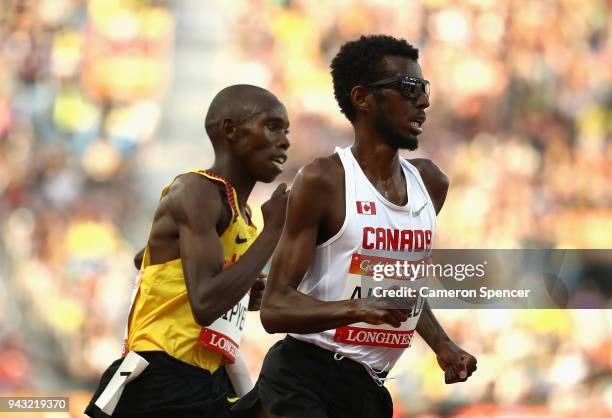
(413, 87)
(426, 87)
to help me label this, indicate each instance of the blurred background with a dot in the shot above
(102, 103)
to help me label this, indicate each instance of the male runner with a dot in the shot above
(202, 257)
(360, 206)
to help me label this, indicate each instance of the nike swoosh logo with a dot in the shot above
(417, 212)
(232, 400)
(240, 240)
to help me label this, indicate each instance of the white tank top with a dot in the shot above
(374, 229)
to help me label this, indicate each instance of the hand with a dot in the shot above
(275, 209)
(256, 292)
(457, 364)
(368, 310)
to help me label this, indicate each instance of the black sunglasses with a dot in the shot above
(411, 87)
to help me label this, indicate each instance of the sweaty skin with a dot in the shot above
(312, 221)
(249, 140)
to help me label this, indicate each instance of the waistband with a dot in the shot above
(325, 355)
(163, 360)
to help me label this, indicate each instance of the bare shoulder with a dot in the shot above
(431, 174)
(315, 196)
(436, 181)
(194, 196)
(323, 175)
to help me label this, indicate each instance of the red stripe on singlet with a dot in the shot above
(229, 190)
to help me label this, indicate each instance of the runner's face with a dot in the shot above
(263, 143)
(396, 118)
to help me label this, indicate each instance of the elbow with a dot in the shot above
(277, 311)
(205, 307)
(205, 322)
(203, 317)
(270, 319)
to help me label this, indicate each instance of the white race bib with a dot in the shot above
(130, 368)
(224, 335)
(135, 288)
(360, 284)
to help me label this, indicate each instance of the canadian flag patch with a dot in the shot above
(366, 208)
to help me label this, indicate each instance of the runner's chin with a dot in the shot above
(273, 169)
(277, 166)
(411, 143)
(405, 141)
(397, 136)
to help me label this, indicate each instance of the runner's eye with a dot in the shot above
(273, 126)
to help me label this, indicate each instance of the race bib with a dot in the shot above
(360, 283)
(135, 287)
(224, 335)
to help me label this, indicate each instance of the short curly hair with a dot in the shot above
(358, 63)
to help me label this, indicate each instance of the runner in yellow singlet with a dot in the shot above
(202, 258)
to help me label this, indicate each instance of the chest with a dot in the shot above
(375, 224)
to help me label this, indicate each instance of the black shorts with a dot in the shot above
(168, 388)
(303, 380)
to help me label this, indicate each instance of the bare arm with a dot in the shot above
(212, 290)
(457, 364)
(437, 184)
(430, 329)
(435, 181)
(284, 308)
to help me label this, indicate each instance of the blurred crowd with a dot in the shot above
(80, 89)
(520, 120)
(520, 115)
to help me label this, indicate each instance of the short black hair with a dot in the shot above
(358, 63)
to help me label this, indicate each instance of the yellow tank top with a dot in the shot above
(161, 317)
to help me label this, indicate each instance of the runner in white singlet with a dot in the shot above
(362, 206)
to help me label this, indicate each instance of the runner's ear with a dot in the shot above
(228, 127)
(360, 98)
